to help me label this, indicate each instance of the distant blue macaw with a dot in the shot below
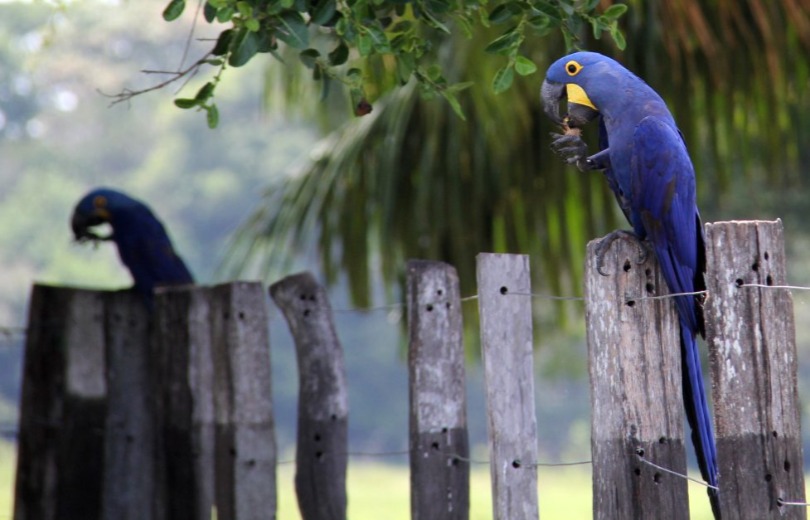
(143, 245)
(647, 166)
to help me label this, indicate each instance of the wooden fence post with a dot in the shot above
(185, 394)
(63, 406)
(505, 308)
(439, 445)
(245, 432)
(753, 358)
(634, 359)
(130, 469)
(322, 444)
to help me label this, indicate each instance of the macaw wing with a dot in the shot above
(612, 181)
(147, 251)
(663, 201)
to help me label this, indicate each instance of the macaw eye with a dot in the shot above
(573, 67)
(99, 201)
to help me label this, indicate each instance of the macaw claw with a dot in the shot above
(604, 245)
(573, 149)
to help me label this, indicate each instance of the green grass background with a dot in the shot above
(376, 489)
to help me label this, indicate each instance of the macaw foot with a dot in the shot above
(604, 244)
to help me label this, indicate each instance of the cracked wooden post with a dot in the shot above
(439, 443)
(131, 483)
(243, 406)
(505, 308)
(752, 343)
(63, 407)
(185, 392)
(322, 444)
(634, 360)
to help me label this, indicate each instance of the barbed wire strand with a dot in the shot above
(783, 502)
(672, 472)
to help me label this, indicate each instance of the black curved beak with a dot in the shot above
(81, 224)
(580, 115)
(551, 94)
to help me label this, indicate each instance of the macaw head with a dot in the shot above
(583, 78)
(96, 208)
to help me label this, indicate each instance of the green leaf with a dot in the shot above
(225, 14)
(618, 37)
(244, 47)
(379, 39)
(590, 5)
(174, 10)
(614, 11)
(293, 30)
(205, 92)
(549, 10)
(406, 64)
(503, 79)
(524, 66)
(339, 55)
(223, 43)
(308, 57)
(210, 12)
(501, 13)
(505, 42)
(454, 103)
(364, 44)
(186, 103)
(435, 23)
(252, 24)
(213, 116)
(323, 12)
(245, 9)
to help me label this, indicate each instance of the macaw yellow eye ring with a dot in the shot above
(99, 201)
(573, 67)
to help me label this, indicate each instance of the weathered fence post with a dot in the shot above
(505, 308)
(753, 357)
(439, 443)
(130, 469)
(634, 360)
(322, 444)
(185, 393)
(63, 407)
(245, 432)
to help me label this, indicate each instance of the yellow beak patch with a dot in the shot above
(577, 95)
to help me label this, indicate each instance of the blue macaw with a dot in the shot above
(143, 245)
(647, 166)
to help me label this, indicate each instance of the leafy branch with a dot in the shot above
(404, 32)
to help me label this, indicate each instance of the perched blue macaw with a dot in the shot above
(647, 166)
(143, 245)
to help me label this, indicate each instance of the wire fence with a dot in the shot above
(12, 336)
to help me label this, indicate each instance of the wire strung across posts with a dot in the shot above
(640, 455)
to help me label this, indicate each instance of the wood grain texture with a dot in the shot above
(751, 336)
(130, 469)
(322, 442)
(439, 442)
(245, 430)
(185, 390)
(505, 309)
(63, 407)
(634, 360)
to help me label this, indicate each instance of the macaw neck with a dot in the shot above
(135, 223)
(631, 101)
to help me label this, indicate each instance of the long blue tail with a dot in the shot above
(697, 413)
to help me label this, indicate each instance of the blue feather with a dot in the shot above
(143, 244)
(652, 176)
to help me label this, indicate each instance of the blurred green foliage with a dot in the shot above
(335, 38)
